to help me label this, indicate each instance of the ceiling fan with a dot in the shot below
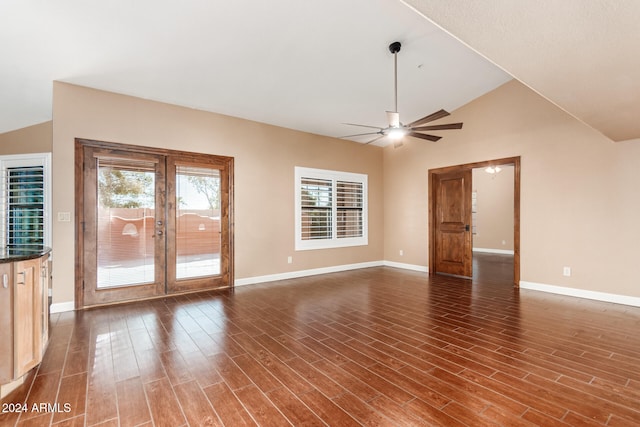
(396, 129)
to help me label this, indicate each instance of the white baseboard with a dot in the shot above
(581, 293)
(493, 251)
(560, 290)
(414, 267)
(70, 306)
(305, 273)
(61, 307)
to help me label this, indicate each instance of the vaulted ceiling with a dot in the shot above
(582, 55)
(313, 65)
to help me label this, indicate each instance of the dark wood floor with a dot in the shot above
(377, 346)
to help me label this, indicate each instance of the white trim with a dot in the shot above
(414, 267)
(305, 273)
(493, 251)
(560, 290)
(61, 307)
(582, 293)
(70, 306)
(325, 270)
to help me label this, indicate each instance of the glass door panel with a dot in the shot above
(197, 222)
(198, 249)
(126, 223)
(123, 241)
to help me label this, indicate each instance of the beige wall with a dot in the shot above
(578, 201)
(265, 157)
(32, 139)
(494, 214)
(579, 193)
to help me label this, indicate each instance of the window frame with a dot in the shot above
(19, 161)
(334, 241)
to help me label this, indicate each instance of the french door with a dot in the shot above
(151, 222)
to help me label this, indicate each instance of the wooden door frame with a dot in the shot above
(515, 161)
(227, 248)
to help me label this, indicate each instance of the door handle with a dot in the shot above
(159, 231)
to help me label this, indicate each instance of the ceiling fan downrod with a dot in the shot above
(394, 48)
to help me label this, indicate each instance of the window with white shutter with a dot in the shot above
(331, 209)
(24, 200)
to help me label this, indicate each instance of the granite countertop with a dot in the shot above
(21, 253)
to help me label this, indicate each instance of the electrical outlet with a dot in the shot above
(401, 252)
(289, 259)
(566, 271)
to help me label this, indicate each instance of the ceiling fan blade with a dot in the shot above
(374, 139)
(363, 126)
(424, 136)
(360, 134)
(431, 117)
(394, 119)
(438, 127)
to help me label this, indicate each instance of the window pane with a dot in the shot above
(316, 192)
(316, 223)
(316, 200)
(126, 223)
(349, 209)
(197, 222)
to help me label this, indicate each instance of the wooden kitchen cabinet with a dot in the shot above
(27, 305)
(24, 316)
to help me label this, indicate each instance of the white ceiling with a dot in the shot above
(307, 65)
(583, 55)
(311, 65)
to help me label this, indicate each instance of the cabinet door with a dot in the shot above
(6, 323)
(27, 316)
(45, 268)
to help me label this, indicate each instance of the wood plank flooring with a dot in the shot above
(378, 346)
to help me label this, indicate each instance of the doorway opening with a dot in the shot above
(451, 222)
(492, 223)
(151, 222)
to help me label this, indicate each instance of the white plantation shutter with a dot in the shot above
(316, 208)
(24, 200)
(331, 209)
(25, 206)
(349, 209)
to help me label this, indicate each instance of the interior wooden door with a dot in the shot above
(453, 238)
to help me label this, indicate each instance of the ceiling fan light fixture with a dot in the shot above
(396, 133)
(493, 169)
(395, 130)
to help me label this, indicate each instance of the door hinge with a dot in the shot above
(83, 285)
